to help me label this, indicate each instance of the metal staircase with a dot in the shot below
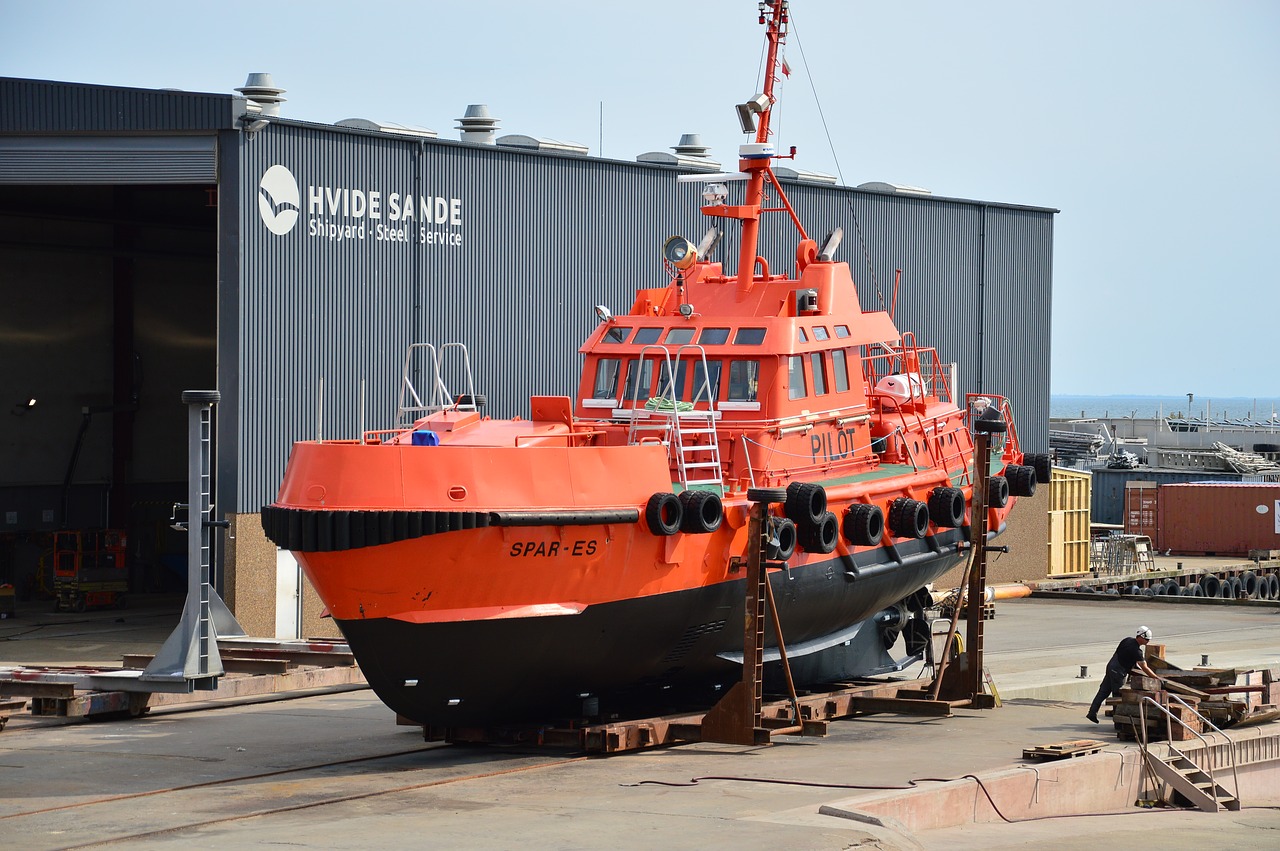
(1181, 773)
(1195, 784)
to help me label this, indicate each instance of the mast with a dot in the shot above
(755, 160)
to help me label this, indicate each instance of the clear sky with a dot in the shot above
(1153, 125)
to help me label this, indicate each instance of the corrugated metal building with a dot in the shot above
(160, 241)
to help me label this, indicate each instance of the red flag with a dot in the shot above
(786, 69)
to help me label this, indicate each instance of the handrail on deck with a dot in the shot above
(1170, 718)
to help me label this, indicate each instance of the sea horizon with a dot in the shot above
(1076, 406)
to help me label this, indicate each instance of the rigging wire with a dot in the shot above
(857, 225)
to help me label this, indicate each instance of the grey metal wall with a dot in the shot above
(541, 239)
(44, 106)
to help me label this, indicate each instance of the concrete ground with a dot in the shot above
(332, 770)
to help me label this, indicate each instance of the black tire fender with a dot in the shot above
(1042, 464)
(767, 495)
(806, 503)
(663, 513)
(997, 492)
(1022, 480)
(702, 510)
(946, 507)
(863, 525)
(783, 532)
(821, 537)
(908, 518)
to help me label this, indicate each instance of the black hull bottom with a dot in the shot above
(653, 654)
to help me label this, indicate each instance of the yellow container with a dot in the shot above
(1070, 492)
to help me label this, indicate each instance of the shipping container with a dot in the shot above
(1107, 500)
(1140, 500)
(1222, 519)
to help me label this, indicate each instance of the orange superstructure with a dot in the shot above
(592, 554)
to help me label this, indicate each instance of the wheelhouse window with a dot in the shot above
(748, 337)
(668, 388)
(714, 336)
(795, 377)
(820, 333)
(606, 385)
(680, 336)
(744, 380)
(706, 383)
(842, 331)
(819, 370)
(616, 334)
(840, 370)
(801, 336)
(639, 379)
(647, 336)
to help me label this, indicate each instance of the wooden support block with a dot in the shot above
(1138, 682)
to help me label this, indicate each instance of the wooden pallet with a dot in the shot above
(1064, 750)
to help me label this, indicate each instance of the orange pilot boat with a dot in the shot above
(589, 560)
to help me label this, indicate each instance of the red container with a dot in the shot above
(1219, 518)
(1140, 509)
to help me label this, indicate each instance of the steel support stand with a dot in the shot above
(966, 683)
(978, 569)
(190, 654)
(737, 716)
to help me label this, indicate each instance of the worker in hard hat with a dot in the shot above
(1128, 655)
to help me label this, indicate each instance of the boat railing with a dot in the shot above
(925, 375)
(975, 403)
(452, 361)
(688, 432)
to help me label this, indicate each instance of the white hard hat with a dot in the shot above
(1144, 632)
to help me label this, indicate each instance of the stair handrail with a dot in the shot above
(1169, 719)
(1231, 743)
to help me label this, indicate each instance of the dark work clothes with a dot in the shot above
(1128, 654)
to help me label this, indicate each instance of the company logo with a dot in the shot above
(354, 214)
(278, 200)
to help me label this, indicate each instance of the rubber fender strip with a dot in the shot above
(564, 518)
(322, 530)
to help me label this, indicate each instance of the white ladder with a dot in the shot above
(690, 436)
(696, 446)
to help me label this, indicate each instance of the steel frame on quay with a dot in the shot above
(1239, 583)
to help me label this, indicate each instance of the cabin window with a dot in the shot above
(801, 336)
(749, 337)
(665, 387)
(680, 336)
(714, 336)
(744, 380)
(820, 333)
(795, 377)
(712, 381)
(647, 336)
(616, 334)
(840, 370)
(842, 331)
(819, 370)
(639, 379)
(606, 386)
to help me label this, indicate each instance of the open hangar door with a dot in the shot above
(108, 311)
